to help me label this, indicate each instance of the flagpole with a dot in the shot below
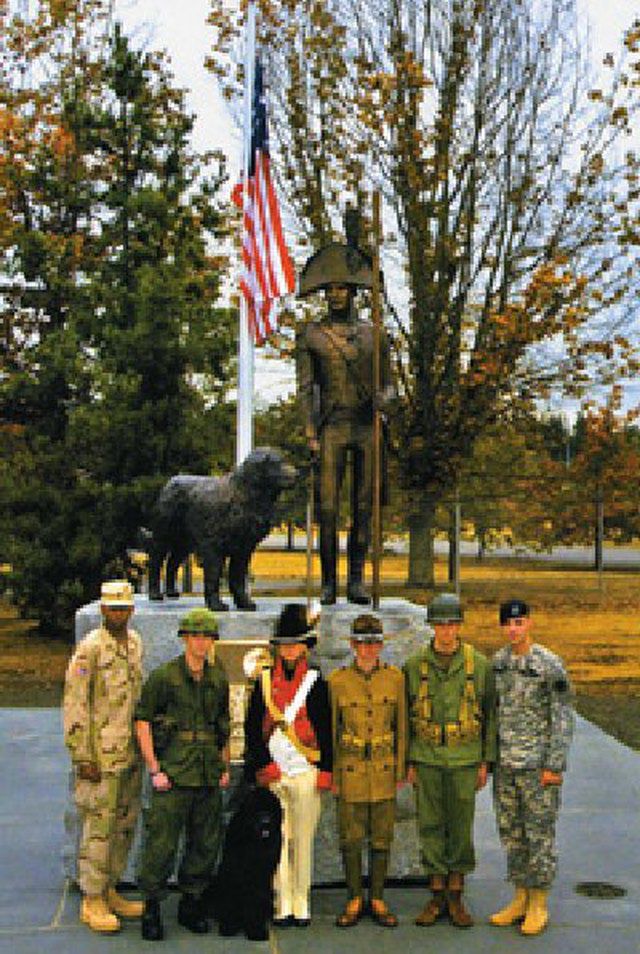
(244, 418)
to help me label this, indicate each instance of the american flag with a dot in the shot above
(267, 268)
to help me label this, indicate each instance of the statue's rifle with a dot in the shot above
(311, 493)
(377, 413)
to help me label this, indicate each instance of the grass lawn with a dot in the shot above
(593, 624)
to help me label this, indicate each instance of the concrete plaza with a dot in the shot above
(599, 841)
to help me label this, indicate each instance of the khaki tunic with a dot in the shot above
(369, 732)
(102, 688)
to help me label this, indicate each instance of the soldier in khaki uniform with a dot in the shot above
(102, 687)
(451, 707)
(369, 730)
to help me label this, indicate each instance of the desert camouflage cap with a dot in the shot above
(198, 622)
(116, 593)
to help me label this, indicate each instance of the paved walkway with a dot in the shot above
(599, 840)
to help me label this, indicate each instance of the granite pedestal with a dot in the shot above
(157, 622)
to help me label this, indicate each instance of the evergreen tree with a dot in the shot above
(116, 356)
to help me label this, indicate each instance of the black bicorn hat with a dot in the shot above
(294, 626)
(513, 609)
(339, 264)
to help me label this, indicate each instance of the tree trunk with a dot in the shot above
(421, 525)
(290, 535)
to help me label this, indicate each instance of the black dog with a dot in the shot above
(241, 897)
(219, 519)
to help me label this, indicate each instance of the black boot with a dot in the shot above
(356, 593)
(190, 915)
(152, 929)
(328, 559)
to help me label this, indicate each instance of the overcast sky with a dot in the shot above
(179, 26)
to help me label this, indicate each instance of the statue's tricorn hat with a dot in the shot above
(338, 264)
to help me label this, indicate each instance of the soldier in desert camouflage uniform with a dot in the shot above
(102, 687)
(535, 725)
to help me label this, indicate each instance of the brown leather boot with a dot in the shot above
(381, 914)
(351, 914)
(458, 914)
(436, 905)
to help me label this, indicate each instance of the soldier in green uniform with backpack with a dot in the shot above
(451, 711)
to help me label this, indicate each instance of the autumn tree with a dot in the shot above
(117, 355)
(492, 154)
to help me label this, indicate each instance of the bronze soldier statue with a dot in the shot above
(334, 361)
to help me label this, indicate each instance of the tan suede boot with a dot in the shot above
(122, 906)
(96, 915)
(514, 911)
(537, 915)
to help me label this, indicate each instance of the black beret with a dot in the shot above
(513, 609)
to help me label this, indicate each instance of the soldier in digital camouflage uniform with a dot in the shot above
(451, 707)
(535, 725)
(102, 687)
(182, 723)
(369, 732)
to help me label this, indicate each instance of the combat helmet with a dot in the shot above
(199, 622)
(445, 608)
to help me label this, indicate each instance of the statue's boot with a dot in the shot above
(356, 593)
(357, 546)
(328, 559)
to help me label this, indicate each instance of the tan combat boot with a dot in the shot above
(96, 915)
(122, 906)
(514, 911)
(537, 915)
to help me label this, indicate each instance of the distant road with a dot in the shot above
(623, 556)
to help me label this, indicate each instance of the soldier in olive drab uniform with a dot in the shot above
(102, 687)
(183, 732)
(334, 361)
(450, 702)
(369, 731)
(535, 726)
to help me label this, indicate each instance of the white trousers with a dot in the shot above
(300, 802)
